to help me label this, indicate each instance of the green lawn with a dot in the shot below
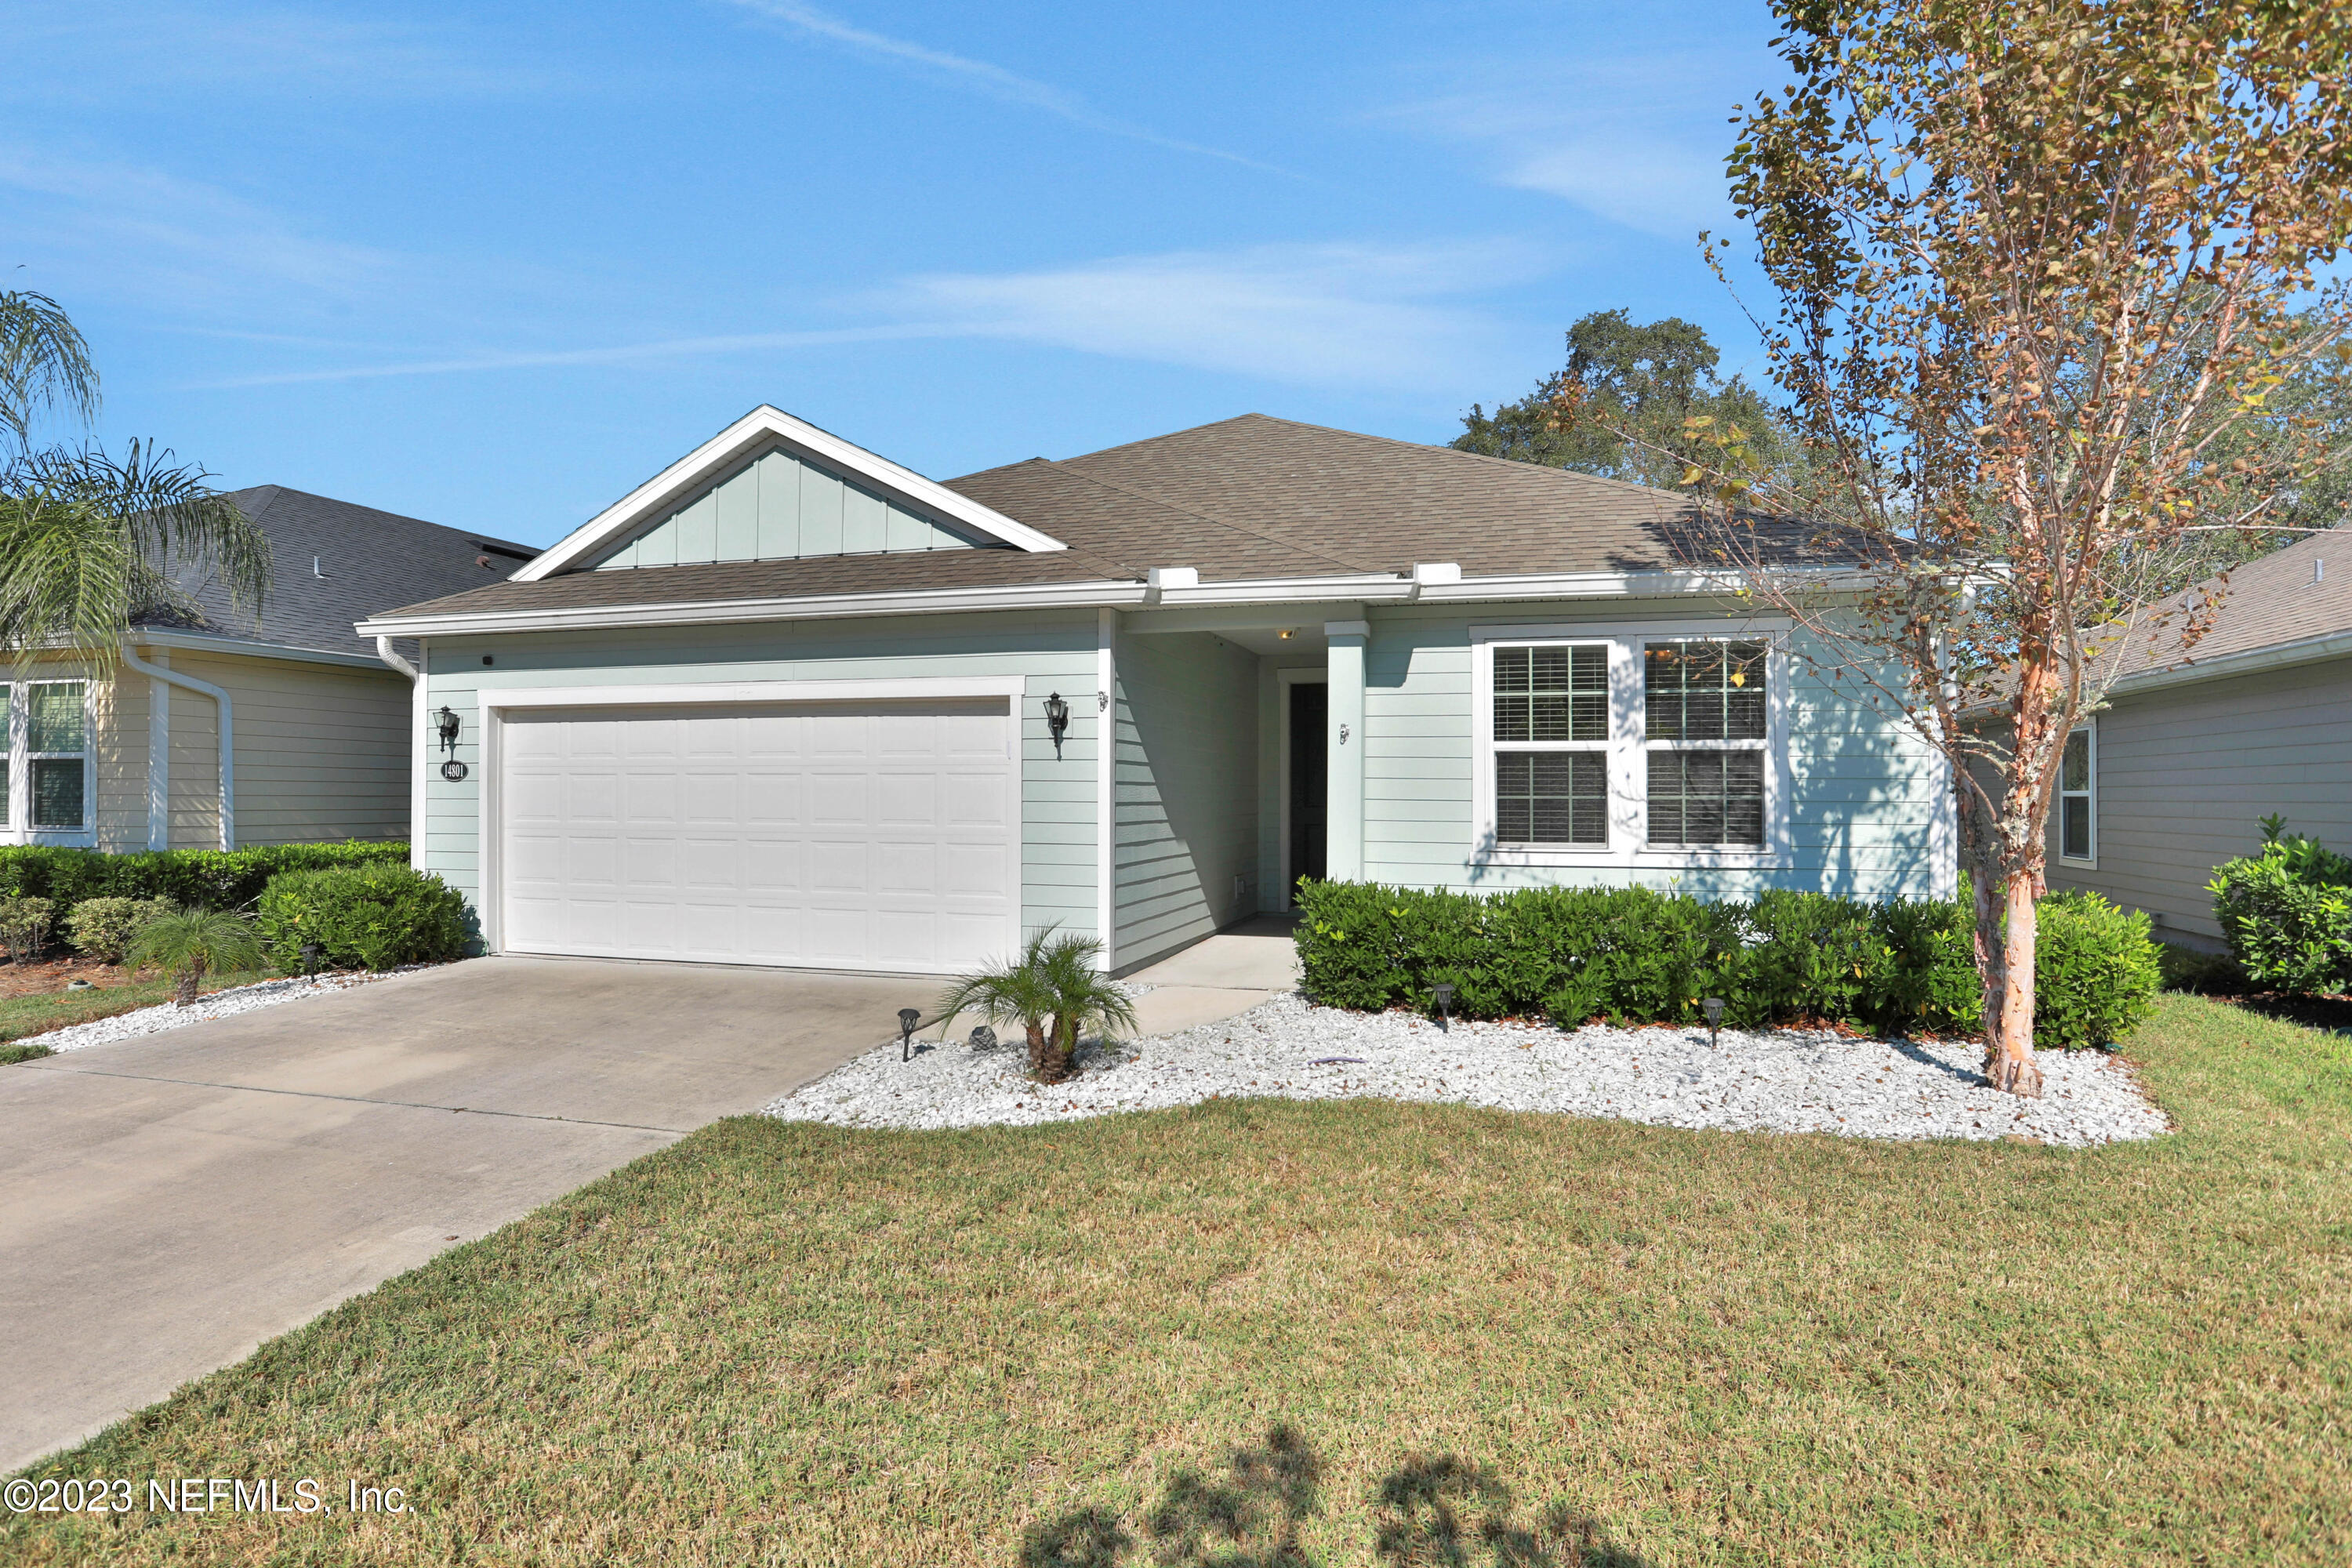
(1360, 1331)
(24, 1016)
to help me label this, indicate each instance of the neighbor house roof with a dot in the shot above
(335, 563)
(1242, 501)
(2291, 604)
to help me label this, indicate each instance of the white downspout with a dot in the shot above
(417, 759)
(227, 734)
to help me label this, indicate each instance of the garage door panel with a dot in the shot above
(906, 800)
(856, 836)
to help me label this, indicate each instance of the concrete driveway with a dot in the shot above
(168, 1203)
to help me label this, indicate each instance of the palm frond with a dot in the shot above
(43, 364)
(87, 541)
(205, 941)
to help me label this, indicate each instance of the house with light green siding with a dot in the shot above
(789, 702)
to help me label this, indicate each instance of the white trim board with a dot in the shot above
(764, 429)
(494, 703)
(1627, 749)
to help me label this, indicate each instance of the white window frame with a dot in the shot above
(1629, 747)
(20, 828)
(2089, 794)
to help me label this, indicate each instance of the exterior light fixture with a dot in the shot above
(1283, 634)
(1057, 722)
(311, 953)
(1713, 1007)
(1442, 993)
(909, 1020)
(984, 1038)
(446, 723)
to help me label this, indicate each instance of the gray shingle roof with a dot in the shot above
(1250, 497)
(371, 560)
(2281, 598)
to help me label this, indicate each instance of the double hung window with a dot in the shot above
(45, 776)
(2078, 823)
(1621, 745)
(1551, 713)
(1704, 719)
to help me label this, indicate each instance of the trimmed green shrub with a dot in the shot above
(197, 879)
(2096, 972)
(365, 917)
(2286, 914)
(2206, 973)
(102, 927)
(24, 925)
(1635, 955)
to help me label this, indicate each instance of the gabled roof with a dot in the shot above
(1251, 500)
(2294, 601)
(764, 429)
(335, 562)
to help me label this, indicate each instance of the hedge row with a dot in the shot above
(206, 878)
(1633, 955)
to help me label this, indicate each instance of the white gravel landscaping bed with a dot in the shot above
(1783, 1081)
(226, 1004)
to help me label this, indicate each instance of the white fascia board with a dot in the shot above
(710, 612)
(2278, 655)
(764, 428)
(1288, 591)
(197, 642)
(1608, 585)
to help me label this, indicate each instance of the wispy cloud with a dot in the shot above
(1323, 314)
(144, 235)
(977, 76)
(1638, 139)
(101, 50)
(1349, 315)
(613, 354)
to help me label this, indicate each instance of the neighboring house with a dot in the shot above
(2172, 777)
(790, 704)
(317, 745)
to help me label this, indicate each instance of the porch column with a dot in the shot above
(1344, 846)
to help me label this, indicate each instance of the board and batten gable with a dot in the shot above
(1186, 788)
(781, 507)
(1047, 652)
(2185, 772)
(1868, 815)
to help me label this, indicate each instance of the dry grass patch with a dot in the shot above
(1349, 1333)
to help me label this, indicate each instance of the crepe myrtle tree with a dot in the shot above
(2041, 270)
(89, 543)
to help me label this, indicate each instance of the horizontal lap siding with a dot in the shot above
(2186, 772)
(1864, 802)
(322, 752)
(1051, 653)
(1186, 790)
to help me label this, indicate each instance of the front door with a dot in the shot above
(1309, 796)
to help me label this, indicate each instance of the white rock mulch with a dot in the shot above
(226, 1004)
(1784, 1081)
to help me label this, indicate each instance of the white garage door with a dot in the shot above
(856, 836)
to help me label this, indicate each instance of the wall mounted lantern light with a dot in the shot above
(1058, 720)
(446, 723)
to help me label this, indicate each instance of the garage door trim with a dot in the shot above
(497, 703)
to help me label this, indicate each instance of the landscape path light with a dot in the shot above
(1443, 993)
(909, 1020)
(1713, 1007)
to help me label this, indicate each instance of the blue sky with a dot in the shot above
(493, 266)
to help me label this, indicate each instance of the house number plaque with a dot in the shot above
(452, 770)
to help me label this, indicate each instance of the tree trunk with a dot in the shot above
(1992, 966)
(1037, 1051)
(185, 994)
(1060, 1051)
(2008, 1059)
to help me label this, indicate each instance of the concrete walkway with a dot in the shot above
(1229, 973)
(167, 1203)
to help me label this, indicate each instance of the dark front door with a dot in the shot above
(1309, 797)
